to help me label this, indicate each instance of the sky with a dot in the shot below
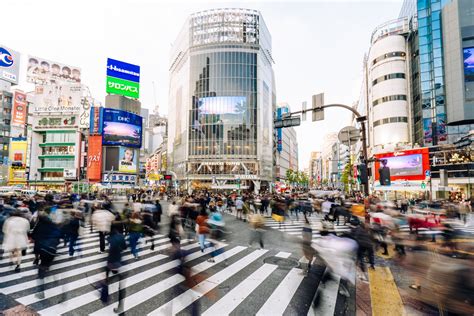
(318, 46)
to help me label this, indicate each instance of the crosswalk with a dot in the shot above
(240, 280)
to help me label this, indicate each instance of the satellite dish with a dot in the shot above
(349, 135)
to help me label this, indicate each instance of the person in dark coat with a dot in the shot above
(157, 214)
(366, 245)
(46, 236)
(149, 227)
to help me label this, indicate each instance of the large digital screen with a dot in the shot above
(468, 64)
(121, 128)
(128, 160)
(222, 105)
(405, 165)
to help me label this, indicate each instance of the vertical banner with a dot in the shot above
(18, 153)
(94, 158)
(19, 111)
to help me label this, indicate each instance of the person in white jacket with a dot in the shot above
(102, 220)
(15, 230)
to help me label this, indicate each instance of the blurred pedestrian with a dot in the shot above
(136, 231)
(308, 250)
(239, 206)
(149, 227)
(366, 246)
(202, 228)
(15, 230)
(102, 219)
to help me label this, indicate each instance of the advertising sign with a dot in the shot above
(127, 160)
(95, 123)
(85, 112)
(468, 53)
(121, 128)
(94, 158)
(45, 72)
(9, 64)
(113, 177)
(19, 111)
(123, 78)
(58, 98)
(48, 122)
(17, 169)
(70, 174)
(405, 165)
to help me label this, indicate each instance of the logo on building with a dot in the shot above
(6, 59)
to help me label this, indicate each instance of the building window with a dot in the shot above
(60, 137)
(388, 55)
(396, 97)
(58, 163)
(388, 77)
(397, 119)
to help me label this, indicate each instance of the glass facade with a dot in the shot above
(430, 119)
(223, 115)
(60, 137)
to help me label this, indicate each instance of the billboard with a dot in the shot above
(18, 152)
(127, 160)
(222, 105)
(94, 158)
(468, 53)
(95, 122)
(123, 78)
(9, 64)
(45, 72)
(58, 98)
(405, 165)
(85, 112)
(19, 111)
(121, 128)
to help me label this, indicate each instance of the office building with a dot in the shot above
(315, 169)
(287, 147)
(222, 101)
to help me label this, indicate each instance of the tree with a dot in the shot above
(346, 177)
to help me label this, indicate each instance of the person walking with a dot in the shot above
(257, 222)
(15, 230)
(239, 206)
(102, 219)
(136, 232)
(308, 251)
(149, 227)
(157, 213)
(202, 228)
(72, 230)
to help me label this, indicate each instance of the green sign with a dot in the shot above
(423, 185)
(123, 87)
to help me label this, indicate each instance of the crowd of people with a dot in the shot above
(349, 237)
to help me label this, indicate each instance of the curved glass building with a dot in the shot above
(221, 101)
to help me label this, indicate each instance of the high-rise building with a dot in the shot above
(287, 147)
(222, 100)
(315, 168)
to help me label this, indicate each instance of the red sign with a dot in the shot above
(19, 109)
(405, 165)
(94, 158)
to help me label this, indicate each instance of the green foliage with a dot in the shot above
(346, 177)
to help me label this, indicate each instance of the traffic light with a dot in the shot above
(423, 185)
(384, 173)
(362, 174)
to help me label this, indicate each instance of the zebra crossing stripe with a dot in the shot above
(30, 299)
(65, 264)
(149, 292)
(282, 295)
(239, 293)
(187, 298)
(283, 254)
(29, 284)
(327, 292)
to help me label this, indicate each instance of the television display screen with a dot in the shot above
(409, 165)
(121, 128)
(222, 105)
(468, 64)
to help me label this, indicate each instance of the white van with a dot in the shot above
(29, 193)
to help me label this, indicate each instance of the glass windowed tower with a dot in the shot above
(221, 101)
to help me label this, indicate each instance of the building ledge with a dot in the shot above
(56, 144)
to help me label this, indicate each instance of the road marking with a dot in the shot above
(150, 292)
(384, 293)
(239, 293)
(187, 298)
(327, 292)
(283, 254)
(282, 295)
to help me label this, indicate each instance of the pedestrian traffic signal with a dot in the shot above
(423, 185)
(362, 173)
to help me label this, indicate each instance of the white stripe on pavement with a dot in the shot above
(327, 297)
(154, 290)
(282, 295)
(187, 298)
(239, 293)
(283, 254)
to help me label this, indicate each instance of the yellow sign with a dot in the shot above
(154, 176)
(17, 165)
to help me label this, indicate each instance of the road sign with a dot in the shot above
(349, 135)
(317, 104)
(303, 107)
(292, 121)
(428, 173)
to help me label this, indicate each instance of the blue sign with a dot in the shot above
(427, 173)
(6, 58)
(122, 70)
(121, 128)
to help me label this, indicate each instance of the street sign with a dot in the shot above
(303, 108)
(427, 173)
(292, 121)
(317, 105)
(349, 135)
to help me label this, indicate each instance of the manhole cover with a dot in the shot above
(282, 263)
